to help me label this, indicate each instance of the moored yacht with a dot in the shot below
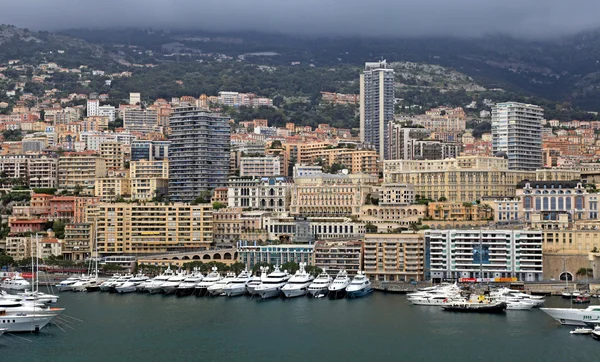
(171, 285)
(24, 321)
(105, 285)
(156, 284)
(189, 283)
(33, 297)
(218, 287)
(320, 285)
(337, 289)
(130, 286)
(272, 284)
(212, 277)
(67, 284)
(359, 286)
(83, 283)
(573, 316)
(17, 282)
(298, 284)
(238, 285)
(120, 281)
(256, 280)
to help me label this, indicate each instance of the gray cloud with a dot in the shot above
(402, 18)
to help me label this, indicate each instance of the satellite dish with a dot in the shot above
(345, 171)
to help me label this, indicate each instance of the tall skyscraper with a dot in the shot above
(517, 134)
(376, 105)
(198, 154)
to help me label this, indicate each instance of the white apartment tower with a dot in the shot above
(376, 105)
(92, 107)
(517, 133)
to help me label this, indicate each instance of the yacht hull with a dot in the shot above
(359, 293)
(25, 323)
(337, 293)
(314, 292)
(64, 288)
(293, 293)
(92, 288)
(184, 292)
(154, 290)
(124, 290)
(476, 308)
(215, 292)
(571, 317)
(200, 292)
(268, 293)
(235, 292)
(169, 290)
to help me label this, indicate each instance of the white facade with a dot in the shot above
(92, 107)
(107, 111)
(135, 98)
(485, 254)
(265, 193)
(260, 166)
(307, 170)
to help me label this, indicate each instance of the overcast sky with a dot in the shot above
(402, 18)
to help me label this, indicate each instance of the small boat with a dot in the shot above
(518, 305)
(596, 333)
(581, 300)
(582, 330)
(482, 305)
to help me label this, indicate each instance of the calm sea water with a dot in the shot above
(381, 327)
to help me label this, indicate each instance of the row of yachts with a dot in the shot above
(445, 295)
(267, 285)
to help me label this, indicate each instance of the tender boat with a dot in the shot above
(218, 287)
(320, 285)
(581, 300)
(574, 316)
(256, 280)
(189, 283)
(237, 286)
(298, 284)
(272, 284)
(24, 322)
(17, 282)
(171, 285)
(67, 284)
(582, 330)
(212, 277)
(359, 286)
(337, 289)
(596, 333)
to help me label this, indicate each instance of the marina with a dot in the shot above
(165, 327)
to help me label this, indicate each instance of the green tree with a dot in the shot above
(370, 228)
(5, 260)
(218, 205)
(291, 267)
(311, 269)
(59, 229)
(442, 199)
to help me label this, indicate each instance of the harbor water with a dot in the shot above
(380, 327)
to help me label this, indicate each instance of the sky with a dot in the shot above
(531, 19)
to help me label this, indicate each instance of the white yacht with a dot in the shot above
(34, 297)
(435, 299)
(518, 305)
(320, 285)
(105, 285)
(256, 280)
(218, 288)
(510, 295)
(272, 284)
(17, 282)
(120, 281)
(130, 286)
(338, 287)
(189, 283)
(171, 285)
(24, 322)
(83, 283)
(67, 284)
(298, 284)
(212, 277)
(359, 286)
(575, 317)
(237, 286)
(156, 284)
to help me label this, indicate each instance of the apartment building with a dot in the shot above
(330, 195)
(77, 244)
(394, 257)
(150, 150)
(354, 160)
(109, 189)
(233, 224)
(80, 170)
(459, 211)
(485, 254)
(43, 172)
(333, 256)
(462, 179)
(113, 154)
(140, 120)
(260, 166)
(396, 195)
(134, 229)
(15, 167)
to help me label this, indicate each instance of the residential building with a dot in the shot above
(259, 166)
(394, 257)
(484, 254)
(264, 193)
(132, 229)
(149, 150)
(333, 256)
(140, 120)
(92, 107)
(109, 189)
(135, 98)
(330, 195)
(80, 170)
(251, 254)
(457, 211)
(43, 172)
(376, 105)
(517, 133)
(401, 140)
(26, 225)
(461, 179)
(149, 179)
(199, 153)
(108, 112)
(396, 195)
(233, 224)
(113, 154)
(77, 245)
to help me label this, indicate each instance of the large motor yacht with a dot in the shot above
(30, 296)
(337, 289)
(212, 277)
(171, 285)
(256, 280)
(360, 286)
(575, 317)
(155, 286)
(130, 286)
(189, 283)
(17, 282)
(84, 283)
(218, 288)
(67, 284)
(272, 284)
(320, 286)
(24, 321)
(298, 284)
(237, 286)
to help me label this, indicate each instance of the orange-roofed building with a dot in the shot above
(26, 225)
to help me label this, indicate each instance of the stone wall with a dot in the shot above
(554, 265)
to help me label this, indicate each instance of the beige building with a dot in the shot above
(333, 256)
(259, 166)
(394, 257)
(457, 211)
(148, 178)
(233, 224)
(152, 228)
(43, 172)
(461, 179)
(80, 170)
(20, 248)
(113, 154)
(355, 161)
(557, 174)
(111, 188)
(78, 241)
(330, 195)
(396, 195)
